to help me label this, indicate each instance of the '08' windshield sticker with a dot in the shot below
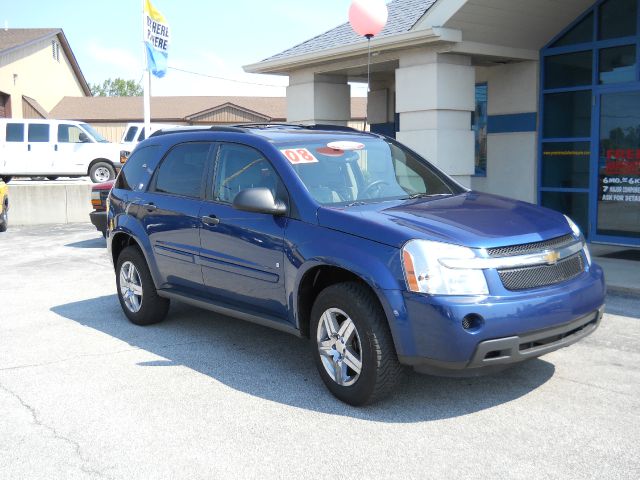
(297, 156)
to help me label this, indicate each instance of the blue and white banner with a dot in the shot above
(156, 40)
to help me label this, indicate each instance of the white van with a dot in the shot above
(55, 148)
(135, 133)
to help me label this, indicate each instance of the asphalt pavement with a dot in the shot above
(86, 394)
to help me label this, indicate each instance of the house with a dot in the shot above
(538, 101)
(109, 115)
(37, 69)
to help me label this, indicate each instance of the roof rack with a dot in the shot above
(191, 129)
(317, 126)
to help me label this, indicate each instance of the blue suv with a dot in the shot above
(350, 239)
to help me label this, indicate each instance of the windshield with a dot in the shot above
(94, 133)
(365, 171)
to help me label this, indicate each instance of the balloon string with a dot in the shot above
(366, 112)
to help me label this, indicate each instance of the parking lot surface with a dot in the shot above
(86, 394)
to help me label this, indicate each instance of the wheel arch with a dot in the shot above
(99, 160)
(121, 239)
(320, 276)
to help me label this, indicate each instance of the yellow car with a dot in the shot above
(4, 206)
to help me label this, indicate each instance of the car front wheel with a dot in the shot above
(351, 344)
(137, 293)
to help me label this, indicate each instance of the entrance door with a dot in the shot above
(618, 202)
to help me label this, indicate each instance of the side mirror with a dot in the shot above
(259, 200)
(83, 137)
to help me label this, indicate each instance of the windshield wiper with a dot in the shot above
(425, 195)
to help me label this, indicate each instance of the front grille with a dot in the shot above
(525, 248)
(524, 278)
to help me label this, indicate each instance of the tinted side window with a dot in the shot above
(142, 136)
(131, 134)
(240, 167)
(15, 132)
(38, 132)
(183, 170)
(137, 172)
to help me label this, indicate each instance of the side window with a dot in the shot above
(137, 172)
(131, 134)
(70, 134)
(142, 136)
(38, 132)
(184, 170)
(240, 167)
(15, 132)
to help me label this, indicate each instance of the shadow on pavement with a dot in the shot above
(98, 242)
(278, 367)
(627, 305)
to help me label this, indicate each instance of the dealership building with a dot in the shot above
(535, 100)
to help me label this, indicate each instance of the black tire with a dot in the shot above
(380, 370)
(4, 217)
(99, 170)
(153, 308)
(6, 179)
(52, 178)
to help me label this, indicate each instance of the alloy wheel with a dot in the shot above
(131, 287)
(339, 347)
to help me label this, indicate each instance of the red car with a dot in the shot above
(99, 194)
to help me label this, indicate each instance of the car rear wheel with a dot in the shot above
(6, 179)
(137, 293)
(351, 344)
(52, 178)
(4, 217)
(101, 172)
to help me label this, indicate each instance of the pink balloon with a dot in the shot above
(368, 17)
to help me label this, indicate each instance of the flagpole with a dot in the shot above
(146, 80)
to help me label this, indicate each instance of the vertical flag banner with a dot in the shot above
(156, 39)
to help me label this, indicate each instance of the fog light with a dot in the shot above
(472, 322)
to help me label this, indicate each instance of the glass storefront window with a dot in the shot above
(566, 164)
(619, 164)
(479, 120)
(575, 205)
(567, 114)
(582, 32)
(568, 70)
(618, 64)
(618, 18)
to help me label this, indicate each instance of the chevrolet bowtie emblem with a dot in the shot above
(552, 257)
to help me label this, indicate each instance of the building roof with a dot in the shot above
(403, 15)
(13, 39)
(173, 109)
(33, 103)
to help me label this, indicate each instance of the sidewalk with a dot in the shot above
(622, 276)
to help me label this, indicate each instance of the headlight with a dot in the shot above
(425, 273)
(574, 228)
(578, 234)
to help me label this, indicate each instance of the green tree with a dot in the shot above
(116, 88)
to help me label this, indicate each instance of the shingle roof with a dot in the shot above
(403, 15)
(17, 37)
(176, 109)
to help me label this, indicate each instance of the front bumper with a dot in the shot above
(429, 331)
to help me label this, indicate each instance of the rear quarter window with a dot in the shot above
(137, 172)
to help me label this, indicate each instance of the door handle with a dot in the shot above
(55, 147)
(211, 220)
(150, 207)
(29, 147)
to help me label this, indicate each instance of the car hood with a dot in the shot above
(471, 219)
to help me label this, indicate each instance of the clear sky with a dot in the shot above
(213, 37)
